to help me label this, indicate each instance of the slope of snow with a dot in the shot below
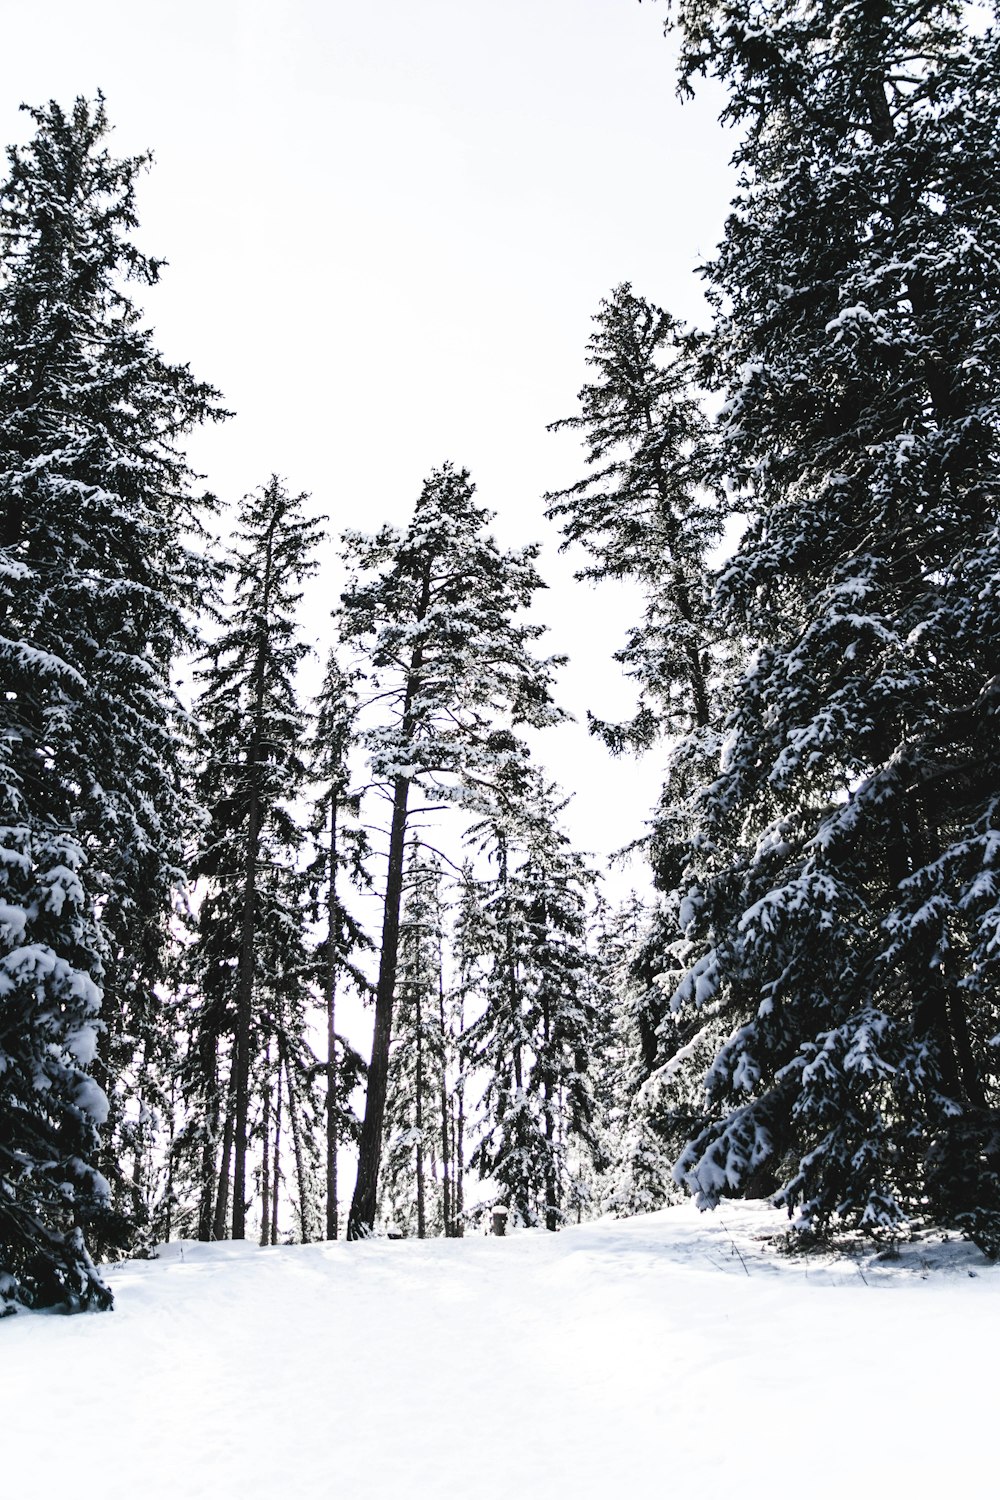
(671, 1354)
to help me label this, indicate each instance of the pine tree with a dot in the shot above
(49, 1107)
(98, 586)
(537, 1025)
(840, 903)
(450, 668)
(635, 1168)
(650, 510)
(414, 1178)
(341, 849)
(644, 512)
(254, 965)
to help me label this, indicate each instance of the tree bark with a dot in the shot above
(551, 1176)
(421, 1190)
(297, 1148)
(265, 1153)
(362, 1217)
(222, 1197)
(446, 1219)
(332, 937)
(276, 1165)
(459, 1154)
(361, 1220)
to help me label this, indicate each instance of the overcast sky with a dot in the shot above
(388, 227)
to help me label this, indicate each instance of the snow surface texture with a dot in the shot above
(674, 1354)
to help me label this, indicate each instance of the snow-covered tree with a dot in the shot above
(98, 585)
(450, 669)
(414, 1171)
(840, 906)
(643, 511)
(253, 963)
(537, 1027)
(341, 847)
(50, 1107)
(650, 509)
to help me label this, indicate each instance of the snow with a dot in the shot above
(668, 1354)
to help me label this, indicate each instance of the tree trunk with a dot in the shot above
(332, 939)
(276, 1164)
(362, 1216)
(172, 1128)
(421, 1190)
(265, 1153)
(551, 1147)
(297, 1147)
(361, 1220)
(459, 1152)
(446, 1211)
(222, 1198)
(208, 1063)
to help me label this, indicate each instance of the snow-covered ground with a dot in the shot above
(673, 1355)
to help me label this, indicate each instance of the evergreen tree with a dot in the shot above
(253, 962)
(98, 585)
(414, 1174)
(49, 1107)
(650, 509)
(643, 511)
(538, 1024)
(840, 904)
(450, 668)
(341, 848)
(635, 1166)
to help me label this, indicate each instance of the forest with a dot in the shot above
(203, 863)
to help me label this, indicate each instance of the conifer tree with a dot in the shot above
(253, 961)
(643, 511)
(840, 903)
(414, 1176)
(341, 848)
(537, 1025)
(449, 665)
(650, 509)
(98, 585)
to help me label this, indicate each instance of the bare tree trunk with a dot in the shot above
(276, 1167)
(222, 1198)
(362, 1216)
(297, 1147)
(459, 1154)
(421, 1198)
(332, 937)
(446, 1210)
(265, 1153)
(208, 1062)
(551, 1171)
(171, 1118)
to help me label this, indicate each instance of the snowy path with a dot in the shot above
(618, 1359)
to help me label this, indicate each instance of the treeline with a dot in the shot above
(179, 907)
(807, 493)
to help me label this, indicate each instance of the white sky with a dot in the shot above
(388, 227)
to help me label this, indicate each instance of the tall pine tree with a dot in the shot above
(537, 1026)
(98, 585)
(341, 849)
(253, 962)
(414, 1174)
(434, 610)
(841, 897)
